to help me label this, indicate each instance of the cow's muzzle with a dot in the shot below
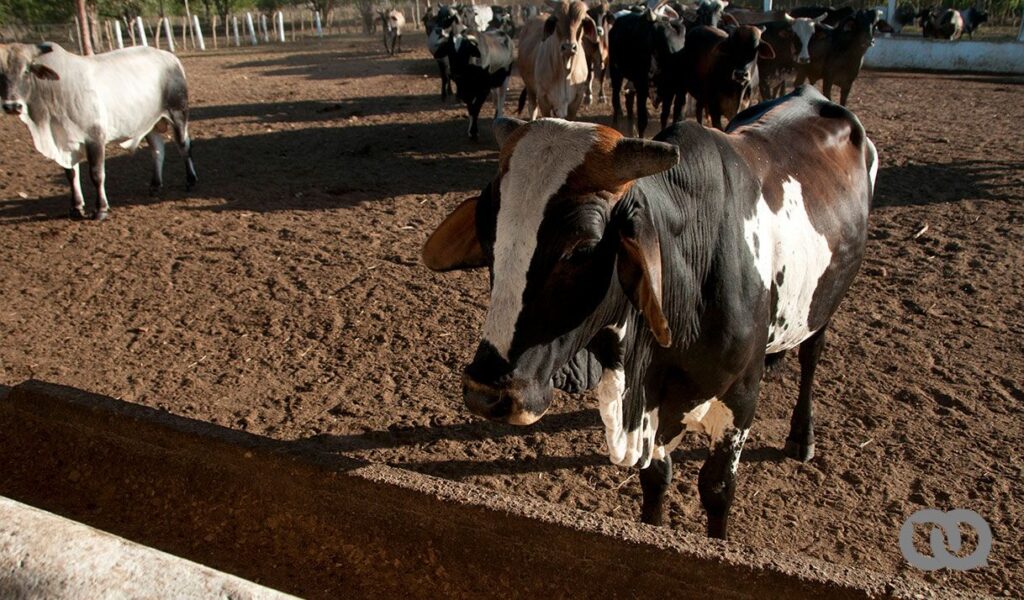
(803, 60)
(13, 108)
(741, 76)
(515, 404)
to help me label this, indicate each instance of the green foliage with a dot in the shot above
(35, 11)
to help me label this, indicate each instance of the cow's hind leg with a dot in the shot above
(179, 121)
(616, 96)
(156, 148)
(77, 199)
(654, 481)
(800, 441)
(96, 154)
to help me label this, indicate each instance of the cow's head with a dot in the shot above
(803, 30)
(740, 51)
(709, 12)
(569, 22)
(565, 253)
(859, 29)
(19, 71)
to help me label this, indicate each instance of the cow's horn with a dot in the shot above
(504, 127)
(635, 158)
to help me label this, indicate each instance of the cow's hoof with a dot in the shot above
(797, 451)
(101, 215)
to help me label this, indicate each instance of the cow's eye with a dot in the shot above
(580, 251)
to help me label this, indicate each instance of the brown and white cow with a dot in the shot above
(75, 105)
(680, 265)
(552, 60)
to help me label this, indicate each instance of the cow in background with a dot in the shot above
(905, 15)
(837, 55)
(790, 38)
(476, 18)
(973, 18)
(75, 105)
(597, 51)
(480, 64)
(942, 24)
(436, 35)
(392, 21)
(720, 69)
(645, 49)
(681, 277)
(552, 60)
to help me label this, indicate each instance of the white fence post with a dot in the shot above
(252, 28)
(168, 33)
(234, 24)
(141, 31)
(767, 5)
(199, 32)
(279, 22)
(317, 25)
(117, 34)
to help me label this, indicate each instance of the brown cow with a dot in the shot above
(552, 60)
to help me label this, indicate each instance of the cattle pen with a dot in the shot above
(261, 376)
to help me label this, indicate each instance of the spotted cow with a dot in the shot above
(679, 265)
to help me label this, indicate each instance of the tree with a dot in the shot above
(83, 27)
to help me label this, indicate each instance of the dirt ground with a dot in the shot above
(285, 297)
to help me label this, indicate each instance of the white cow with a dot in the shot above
(74, 106)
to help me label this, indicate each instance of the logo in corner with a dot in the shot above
(945, 533)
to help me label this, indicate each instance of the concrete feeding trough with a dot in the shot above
(286, 516)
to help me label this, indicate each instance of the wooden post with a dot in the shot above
(250, 28)
(234, 24)
(158, 32)
(170, 35)
(197, 33)
(213, 28)
(142, 31)
(82, 21)
(78, 36)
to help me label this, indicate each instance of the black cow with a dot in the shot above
(719, 69)
(436, 35)
(479, 63)
(679, 277)
(905, 15)
(642, 47)
(837, 54)
(973, 18)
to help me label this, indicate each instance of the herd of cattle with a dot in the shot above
(667, 274)
(719, 55)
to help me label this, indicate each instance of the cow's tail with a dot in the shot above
(522, 102)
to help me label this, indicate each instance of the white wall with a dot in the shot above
(939, 55)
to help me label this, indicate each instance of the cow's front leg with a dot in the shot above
(726, 422)
(77, 199)
(156, 148)
(844, 93)
(499, 98)
(654, 481)
(96, 154)
(616, 97)
(826, 88)
(474, 113)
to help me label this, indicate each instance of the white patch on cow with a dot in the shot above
(540, 164)
(803, 28)
(787, 242)
(737, 438)
(625, 448)
(712, 417)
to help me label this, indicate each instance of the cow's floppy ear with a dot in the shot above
(638, 266)
(549, 27)
(635, 158)
(589, 28)
(43, 72)
(454, 245)
(765, 51)
(503, 129)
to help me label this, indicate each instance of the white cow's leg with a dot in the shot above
(96, 153)
(500, 92)
(77, 199)
(156, 148)
(179, 121)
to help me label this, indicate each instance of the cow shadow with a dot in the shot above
(916, 184)
(344, 64)
(313, 168)
(473, 431)
(313, 110)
